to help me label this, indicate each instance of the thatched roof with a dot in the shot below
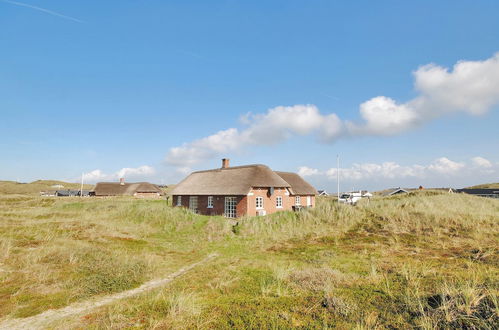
(237, 180)
(298, 185)
(116, 188)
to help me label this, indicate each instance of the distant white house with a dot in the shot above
(354, 196)
(47, 193)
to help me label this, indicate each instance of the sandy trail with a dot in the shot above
(45, 318)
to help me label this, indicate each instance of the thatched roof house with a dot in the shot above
(240, 190)
(238, 180)
(298, 186)
(139, 189)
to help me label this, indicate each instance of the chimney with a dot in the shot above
(122, 181)
(225, 162)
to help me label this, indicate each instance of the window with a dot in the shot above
(193, 203)
(179, 200)
(230, 207)
(278, 202)
(259, 202)
(297, 201)
(210, 202)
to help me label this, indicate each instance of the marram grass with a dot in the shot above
(424, 260)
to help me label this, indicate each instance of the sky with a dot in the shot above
(405, 92)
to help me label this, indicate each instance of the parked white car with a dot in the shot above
(354, 196)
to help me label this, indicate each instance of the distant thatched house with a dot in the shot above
(139, 189)
(243, 190)
(323, 193)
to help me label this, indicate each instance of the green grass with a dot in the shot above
(34, 188)
(426, 259)
(485, 185)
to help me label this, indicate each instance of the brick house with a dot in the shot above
(138, 189)
(243, 190)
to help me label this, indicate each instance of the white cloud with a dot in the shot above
(385, 170)
(127, 173)
(471, 87)
(95, 175)
(194, 152)
(134, 172)
(481, 162)
(383, 116)
(444, 165)
(391, 170)
(307, 171)
(272, 127)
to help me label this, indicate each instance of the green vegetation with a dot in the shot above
(426, 259)
(34, 188)
(485, 185)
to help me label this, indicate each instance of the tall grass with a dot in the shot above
(421, 260)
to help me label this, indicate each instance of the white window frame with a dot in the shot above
(259, 202)
(230, 207)
(278, 202)
(297, 200)
(210, 202)
(193, 203)
(179, 200)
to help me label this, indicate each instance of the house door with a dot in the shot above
(230, 207)
(193, 203)
(309, 201)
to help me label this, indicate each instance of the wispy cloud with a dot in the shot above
(442, 166)
(471, 87)
(47, 11)
(481, 162)
(273, 127)
(140, 172)
(190, 53)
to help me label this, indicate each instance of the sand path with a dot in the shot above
(45, 318)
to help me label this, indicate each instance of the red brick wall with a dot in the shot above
(246, 205)
(218, 204)
(303, 200)
(242, 206)
(269, 201)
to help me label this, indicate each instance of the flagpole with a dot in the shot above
(338, 175)
(81, 187)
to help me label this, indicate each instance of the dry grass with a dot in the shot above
(485, 185)
(424, 260)
(34, 188)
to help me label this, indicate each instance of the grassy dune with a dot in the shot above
(34, 188)
(486, 185)
(426, 260)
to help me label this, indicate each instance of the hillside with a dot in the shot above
(34, 188)
(426, 259)
(485, 185)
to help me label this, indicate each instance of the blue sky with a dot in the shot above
(152, 90)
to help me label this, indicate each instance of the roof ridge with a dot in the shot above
(232, 168)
